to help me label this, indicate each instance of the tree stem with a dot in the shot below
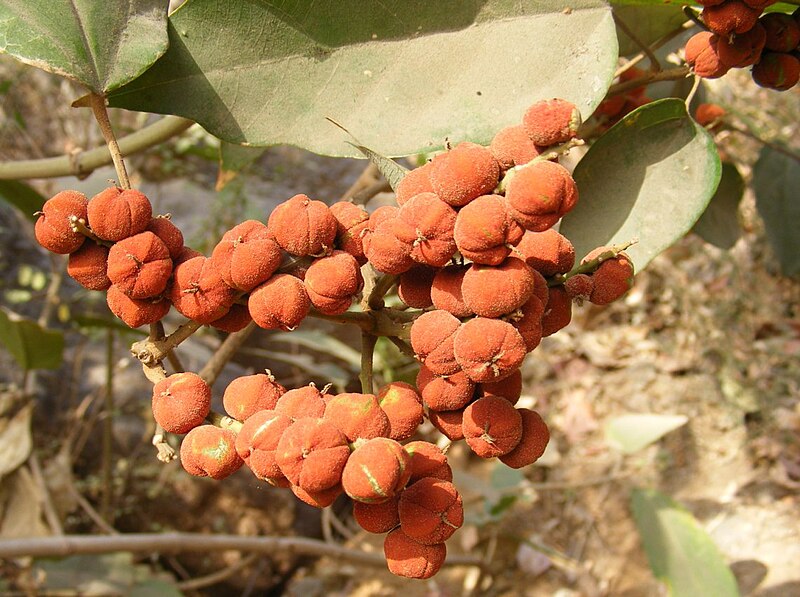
(225, 353)
(98, 103)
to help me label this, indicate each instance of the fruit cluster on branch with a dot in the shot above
(483, 275)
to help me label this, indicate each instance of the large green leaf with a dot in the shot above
(100, 44)
(32, 346)
(648, 178)
(680, 552)
(401, 76)
(776, 178)
(719, 224)
(21, 196)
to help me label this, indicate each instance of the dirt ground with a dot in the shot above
(711, 335)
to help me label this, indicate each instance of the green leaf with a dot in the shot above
(233, 159)
(719, 224)
(648, 22)
(648, 178)
(100, 44)
(680, 552)
(631, 433)
(32, 346)
(776, 178)
(391, 170)
(21, 196)
(401, 76)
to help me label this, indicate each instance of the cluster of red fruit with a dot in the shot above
(739, 36)
(614, 108)
(321, 445)
(473, 248)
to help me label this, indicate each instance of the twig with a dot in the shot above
(47, 502)
(108, 427)
(87, 162)
(591, 265)
(364, 195)
(69, 545)
(655, 65)
(672, 74)
(90, 511)
(694, 16)
(79, 225)
(660, 42)
(692, 92)
(202, 582)
(175, 362)
(224, 421)
(368, 342)
(779, 148)
(53, 288)
(550, 154)
(165, 452)
(150, 352)
(225, 353)
(382, 286)
(367, 177)
(404, 347)
(98, 104)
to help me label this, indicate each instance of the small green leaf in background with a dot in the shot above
(32, 346)
(402, 76)
(719, 224)
(21, 196)
(631, 433)
(648, 23)
(648, 178)
(233, 159)
(776, 180)
(102, 45)
(391, 170)
(680, 552)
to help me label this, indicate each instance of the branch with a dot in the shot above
(403, 346)
(591, 265)
(382, 286)
(224, 421)
(672, 74)
(655, 65)
(86, 162)
(69, 545)
(98, 104)
(225, 353)
(775, 146)
(150, 352)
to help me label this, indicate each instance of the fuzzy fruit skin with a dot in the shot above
(377, 518)
(557, 311)
(509, 388)
(199, 292)
(88, 265)
(432, 340)
(302, 226)
(777, 71)
(257, 441)
(414, 286)
(452, 392)
(733, 16)
(140, 265)
(357, 416)
(237, 318)
(612, 279)
(549, 122)
(535, 437)
(312, 454)
(376, 471)
(512, 146)
(425, 223)
(415, 182)
(540, 194)
(133, 312)
(488, 349)
(448, 422)
(248, 394)
(53, 230)
(782, 32)
(579, 287)
(446, 293)
(463, 173)
(427, 460)
(403, 407)
(706, 114)
(181, 402)
(431, 510)
(169, 234)
(409, 559)
(485, 229)
(115, 213)
(528, 321)
(548, 252)
(702, 55)
(492, 291)
(351, 221)
(317, 499)
(332, 281)
(246, 256)
(385, 251)
(492, 426)
(208, 451)
(279, 303)
(302, 402)
(744, 50)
